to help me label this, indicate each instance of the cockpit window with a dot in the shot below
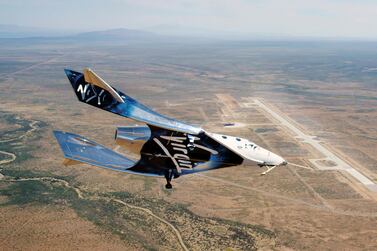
(238, 139)
(224, 137)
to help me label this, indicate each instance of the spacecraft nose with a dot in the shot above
(276, 160)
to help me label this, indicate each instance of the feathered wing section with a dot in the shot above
(93, 90)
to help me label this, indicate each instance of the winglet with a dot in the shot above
(94, 79)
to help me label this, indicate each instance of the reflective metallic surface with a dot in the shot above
(165, 147)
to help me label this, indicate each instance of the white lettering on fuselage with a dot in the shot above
(180, 157)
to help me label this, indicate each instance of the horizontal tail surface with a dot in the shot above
(79, 149)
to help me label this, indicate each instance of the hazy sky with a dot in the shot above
(335, 18)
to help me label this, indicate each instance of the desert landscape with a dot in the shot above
(314, 103)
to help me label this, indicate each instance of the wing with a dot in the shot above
(77, 149)
(93, 90)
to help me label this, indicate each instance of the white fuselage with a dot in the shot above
(248, 150)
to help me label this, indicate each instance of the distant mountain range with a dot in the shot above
(160, 33)
(155, 32)
(121, 35)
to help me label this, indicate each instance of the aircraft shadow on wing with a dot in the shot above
(167, 147)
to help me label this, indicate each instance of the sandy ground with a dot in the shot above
(307, 209)
(52, 228)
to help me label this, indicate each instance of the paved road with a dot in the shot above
(340, 164)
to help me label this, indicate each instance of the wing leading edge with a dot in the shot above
(93, 90)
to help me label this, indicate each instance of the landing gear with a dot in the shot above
(269, 169)
(168, 176)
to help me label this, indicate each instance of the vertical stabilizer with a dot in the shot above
(94, 79)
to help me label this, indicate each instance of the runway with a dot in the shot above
(328, 155)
